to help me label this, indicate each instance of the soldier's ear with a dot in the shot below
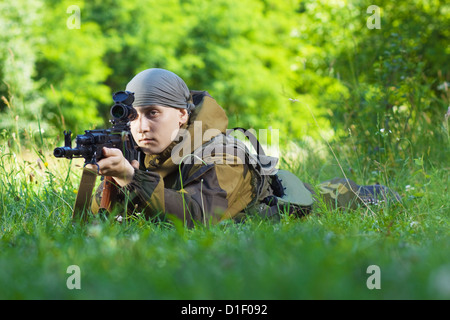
(184, 116)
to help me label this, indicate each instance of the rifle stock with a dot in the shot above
(109, 192)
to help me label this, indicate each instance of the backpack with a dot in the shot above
(278, 191)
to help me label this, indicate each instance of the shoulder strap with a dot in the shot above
(198, 95)
(84, 195)
(253, 140)
(266, 163)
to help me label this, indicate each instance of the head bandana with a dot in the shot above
(160, 87)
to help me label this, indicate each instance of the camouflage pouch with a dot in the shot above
(345, 193)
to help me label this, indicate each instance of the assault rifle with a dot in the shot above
(90, 145)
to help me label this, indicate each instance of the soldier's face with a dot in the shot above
(156, 127)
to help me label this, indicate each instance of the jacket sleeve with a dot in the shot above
(209, 194)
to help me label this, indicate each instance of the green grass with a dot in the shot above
(324, 256)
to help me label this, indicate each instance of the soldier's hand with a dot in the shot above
(115, 165)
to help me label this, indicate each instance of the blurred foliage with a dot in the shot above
(398, 79)
(268, 63)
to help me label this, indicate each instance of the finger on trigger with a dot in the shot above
(135, 164)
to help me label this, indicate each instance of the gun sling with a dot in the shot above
(84, 195)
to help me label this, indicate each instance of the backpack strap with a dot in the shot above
(265, 164)
(198, 95)
(254, 141)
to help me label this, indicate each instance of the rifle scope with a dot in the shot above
(123, 109)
